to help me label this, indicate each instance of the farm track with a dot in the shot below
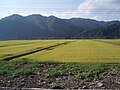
(107, 42)
(34, 51)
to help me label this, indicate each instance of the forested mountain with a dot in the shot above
(41, 27)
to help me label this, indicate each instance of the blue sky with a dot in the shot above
(94, 9)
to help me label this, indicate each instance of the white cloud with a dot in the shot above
(95, 9)
(99, 9)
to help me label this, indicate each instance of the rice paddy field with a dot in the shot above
(100, 51)
(60, 64)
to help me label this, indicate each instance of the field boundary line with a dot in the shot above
(107, 42)
(34, 51)
(17, 44)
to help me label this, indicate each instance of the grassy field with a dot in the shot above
(54, 69)
(100, 51)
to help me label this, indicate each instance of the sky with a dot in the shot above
(103, 10)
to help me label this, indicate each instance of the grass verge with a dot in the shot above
(52, 69)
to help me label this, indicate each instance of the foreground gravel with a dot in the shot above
(110, 79)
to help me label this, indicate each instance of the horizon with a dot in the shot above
(100, 10)
(61, 18)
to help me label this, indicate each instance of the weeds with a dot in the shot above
(51, 69)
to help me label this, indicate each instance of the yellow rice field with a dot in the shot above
(101, 51)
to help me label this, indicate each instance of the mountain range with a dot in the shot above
(40, 27)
